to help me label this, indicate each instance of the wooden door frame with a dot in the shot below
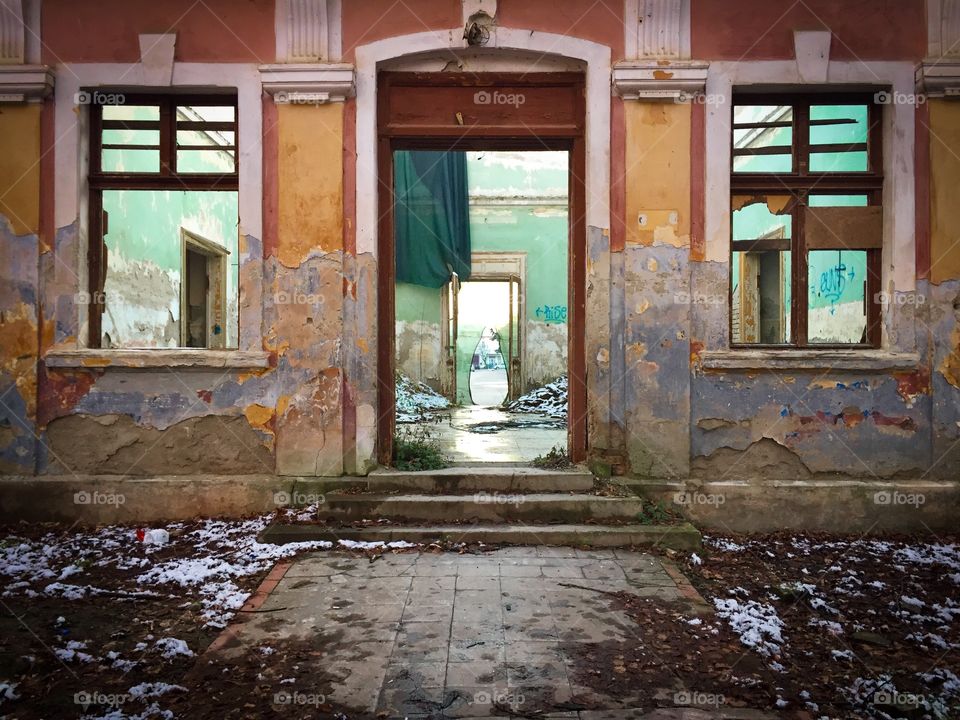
(446, 130)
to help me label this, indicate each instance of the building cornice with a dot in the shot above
(660, 80)
(308, 83)
(939, 78)
(25, 83)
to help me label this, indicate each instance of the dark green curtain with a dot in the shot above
(432, 224)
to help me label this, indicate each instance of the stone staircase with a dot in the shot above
(493, 504)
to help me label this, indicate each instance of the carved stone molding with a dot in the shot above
(940, 78)
(657, 29)
(943, 28)
(660, 81)
(12, 32)
(307, 31)
(308, 84)
(25, 83)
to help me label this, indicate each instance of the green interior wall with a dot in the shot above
(513, 208)
(144, 245)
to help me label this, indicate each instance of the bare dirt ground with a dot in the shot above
(810, 626)
(97, 624)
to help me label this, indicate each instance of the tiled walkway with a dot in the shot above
(448, 635)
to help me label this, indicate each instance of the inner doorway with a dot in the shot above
(415, 117)
(492, 340)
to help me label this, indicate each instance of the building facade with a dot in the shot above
(694, 350)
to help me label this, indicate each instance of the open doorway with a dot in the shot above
(448, 114)
(487, 350)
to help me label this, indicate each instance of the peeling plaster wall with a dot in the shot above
(939, 327)
(19, 285)
(650, 309)
(419, 347)
(655, 277)
(307, 272)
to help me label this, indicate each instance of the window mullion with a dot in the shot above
(167, 138)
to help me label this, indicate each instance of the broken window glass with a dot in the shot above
(165, 211)
(838, 138)
(762, 138)
(806, 235)
(131, 139)
(206, 139)
(760, 279)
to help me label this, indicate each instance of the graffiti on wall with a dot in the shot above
(552, 313)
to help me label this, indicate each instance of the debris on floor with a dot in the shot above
(813, 627)
(512, 423)
(417, 401)
(551, 400)
(100, 625)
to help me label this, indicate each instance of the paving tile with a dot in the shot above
(532, 651)
(417, 612)
(421, 674)
(421, 642)
(604, 570)
(562, 571)
(595, 554)
(311, 567)
(475, 701)
(478, 569)
(515, 552)
(539, 670)
(556, 552)
(403, 699)
(520, 571)
(476, 674)
(478, 582)
(353, 614)
(475, 650)
(444, 635)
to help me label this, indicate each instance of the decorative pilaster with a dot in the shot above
(939, 74)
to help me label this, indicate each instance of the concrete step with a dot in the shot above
(678, 537)
(482, 506)
(470, 479)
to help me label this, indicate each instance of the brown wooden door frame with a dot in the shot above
(552, 117)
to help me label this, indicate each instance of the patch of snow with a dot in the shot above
(8, 691)
(756, 623)
(153, 689)
(550, 400)
(416, 401)
(695, 559)
(173, 647)
(841, 654)
(723, 545)
(375, 544)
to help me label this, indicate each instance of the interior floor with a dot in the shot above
(473, 433)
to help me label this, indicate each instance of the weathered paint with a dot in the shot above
(763, 30)
(211, 31)
(944, 180)
(658, 174)
(19, 284)
(651, 311)
(310, 172)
